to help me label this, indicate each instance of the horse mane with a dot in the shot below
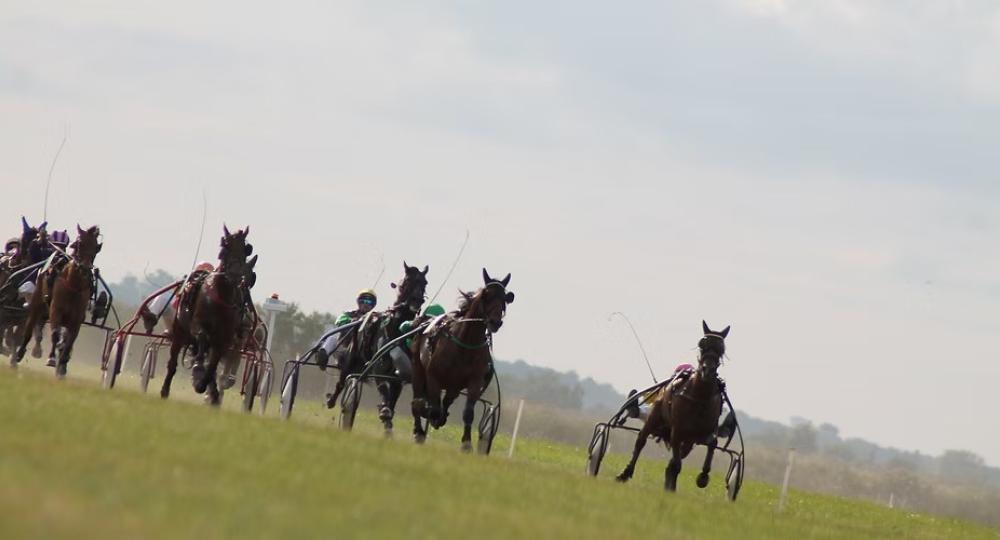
(465, 300)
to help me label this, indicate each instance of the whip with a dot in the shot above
(453, 265)
(52, 168)
(637, 340)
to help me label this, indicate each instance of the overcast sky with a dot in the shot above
(821, 175)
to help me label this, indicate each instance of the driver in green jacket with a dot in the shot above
(366, 302)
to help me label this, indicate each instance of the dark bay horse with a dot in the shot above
(211, 314)
(28, 252)
(378, 329)
(65, 305)
(454, 355)
(687, 413)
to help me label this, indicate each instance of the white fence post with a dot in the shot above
(517, 425)
(784, 484)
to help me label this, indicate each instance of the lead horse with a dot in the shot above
(687, 413)
(210, 316)
(63, 300)
(453, 355)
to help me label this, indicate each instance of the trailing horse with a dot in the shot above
(211, 317)
(453, 355)
(687, 413)
(63, 299)
(28, 252)
(378, 329)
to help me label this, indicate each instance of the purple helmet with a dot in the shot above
(60, 238)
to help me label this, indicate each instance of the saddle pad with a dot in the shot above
(435, 322)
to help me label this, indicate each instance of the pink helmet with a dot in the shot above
(205, 266)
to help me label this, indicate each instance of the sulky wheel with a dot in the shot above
(349, 403)
(113, 363)
(148, 366)
(250, 387)
(265, 388)
(734, 479)
(488, 429)
(598, 446)
(288, 390)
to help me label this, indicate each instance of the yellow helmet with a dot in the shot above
(368, 293)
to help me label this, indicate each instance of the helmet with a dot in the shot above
(60, 238)
(205, 266)
(369, 294)
(434, 310)
(15, 242)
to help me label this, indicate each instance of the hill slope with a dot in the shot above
(78, 461)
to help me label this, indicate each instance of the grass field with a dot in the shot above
(77, 461)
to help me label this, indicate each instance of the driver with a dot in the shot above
(366, 302)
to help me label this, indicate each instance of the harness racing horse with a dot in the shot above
(687, 413)
(453, 354)
(28, 252)
(63, 300)
(210, 316)
(378, 329)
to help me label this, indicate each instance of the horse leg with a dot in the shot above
(640, 443)
(389, 390)
(449, 398)
(706, 468)
(198, 371)
(66, 349)
(331, 398)
(469, 414)
(419, 404)
(175, 348)
(678, 452)
(36, 351)
(54, 353)
(34, 314)
(208, 382)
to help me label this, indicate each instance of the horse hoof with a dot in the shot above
(164, 394)
(622, 478)
(702, 480)
(51, 362)
(467, 446)
(36, 352)
(61, 371)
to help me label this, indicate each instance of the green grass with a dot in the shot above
(77, 461)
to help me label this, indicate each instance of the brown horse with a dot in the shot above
(454, 355)
(210, 315)
(687, 413)
(66, 302)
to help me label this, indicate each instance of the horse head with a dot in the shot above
(711, 347)
(28, 234)
(87, 245)
(493, 300)
(413, 288)
(233, 255)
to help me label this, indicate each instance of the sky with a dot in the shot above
(822, 176)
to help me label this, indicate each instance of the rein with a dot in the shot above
(461, 344)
